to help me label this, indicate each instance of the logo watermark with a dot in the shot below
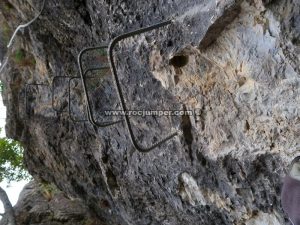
(144, 113)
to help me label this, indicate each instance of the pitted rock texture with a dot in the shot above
(237, 68)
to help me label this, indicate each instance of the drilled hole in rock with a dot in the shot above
(242, 81)
(138, 17)
(170, 43)
(105, 203)
(179, 61)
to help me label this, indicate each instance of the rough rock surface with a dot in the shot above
(41, 205)
(238, 68)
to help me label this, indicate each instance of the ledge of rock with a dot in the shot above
(45, 205)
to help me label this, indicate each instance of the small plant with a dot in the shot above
(48, 190)
(23, 58)
(19, 56)
(7, 6)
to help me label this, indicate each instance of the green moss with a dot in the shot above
(19, 56)
(23, 58)
(7, 6)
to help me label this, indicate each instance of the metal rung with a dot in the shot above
(111, 47)
(52, 94)
(97, 68)
(91, 118)
(69, 110)
(70, 79)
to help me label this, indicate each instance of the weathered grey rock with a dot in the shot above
(41, 205)
(241, 77)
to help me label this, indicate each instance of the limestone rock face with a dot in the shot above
(41, 205)
(233, 63)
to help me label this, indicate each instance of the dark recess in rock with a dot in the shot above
(179, 61)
